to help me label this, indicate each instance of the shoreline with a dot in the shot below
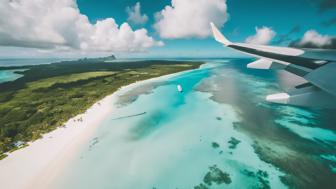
(37, 165)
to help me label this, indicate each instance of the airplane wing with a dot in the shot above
(319, 88)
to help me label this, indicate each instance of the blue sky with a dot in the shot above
(281, 15)
(288, 20)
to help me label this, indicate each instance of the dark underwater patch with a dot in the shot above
(215, 145)
(233, 143)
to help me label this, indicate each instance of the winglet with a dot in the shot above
(219, 36)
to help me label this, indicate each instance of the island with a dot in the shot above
(99, 59)
(48, 95)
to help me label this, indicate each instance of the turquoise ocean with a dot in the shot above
(218, 133)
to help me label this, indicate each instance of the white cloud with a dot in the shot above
(263, 36)
(58, 24)
(134, 15)
(190, 18)
(316, 39)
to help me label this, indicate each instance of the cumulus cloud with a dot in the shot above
(263, 36)
(134, 15)
(58, 24)
(317, 39)
(312, 39)
(190, 18)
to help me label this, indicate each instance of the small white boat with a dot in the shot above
(179, 88)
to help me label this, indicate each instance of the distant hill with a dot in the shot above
(99, 59)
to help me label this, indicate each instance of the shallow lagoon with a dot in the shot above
(160, 138)
(9, 75)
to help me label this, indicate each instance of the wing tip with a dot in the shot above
(219, 36)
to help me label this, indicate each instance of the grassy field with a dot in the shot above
(43, 99)
(47, 83)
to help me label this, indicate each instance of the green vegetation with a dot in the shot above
(48, 95)
(47, 83)
(2, 156)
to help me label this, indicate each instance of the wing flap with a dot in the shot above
(265, 64)
(324, 78)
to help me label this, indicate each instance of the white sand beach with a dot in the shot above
(37, 165)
